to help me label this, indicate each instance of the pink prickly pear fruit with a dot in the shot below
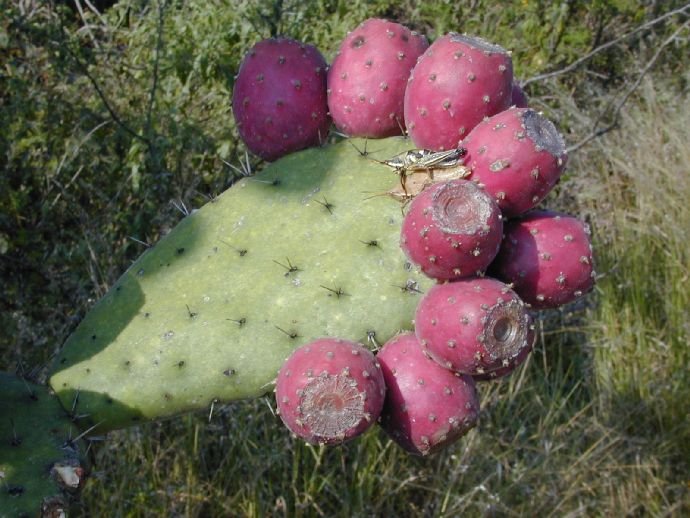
(473, 326)
(457, 82)
(330, 391)
(518, 156)
(508, 369)
(427, 407)
(518, 97)
(368, 77)
(279, 99)
(547, 256)
(452, 229)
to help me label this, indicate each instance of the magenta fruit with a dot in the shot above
(547, 256)
(457, 82)
(279, 98)
(330, 391)
(368, 77)
(518, 97)
(452, 229)
(473, 326)
(517, 156)
(427, 407)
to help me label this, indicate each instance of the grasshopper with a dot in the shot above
(419, 168)
(423, 161)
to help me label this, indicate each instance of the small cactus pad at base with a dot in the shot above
(40, 467)
(303, 250)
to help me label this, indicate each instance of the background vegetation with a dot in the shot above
(111, 119)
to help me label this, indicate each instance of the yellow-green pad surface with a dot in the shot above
(35, 435)
(305, 249)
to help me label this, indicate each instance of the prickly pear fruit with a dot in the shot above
(330, 391)
(518, 97)
(368, 77)
(210, 313)
(518, 156)
(279, 98)
(473, 326)
(427, 407)
(547, 256)
(41, 468)
(457, 82)
(452, 230)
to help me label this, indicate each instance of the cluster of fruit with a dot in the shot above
(459, 104)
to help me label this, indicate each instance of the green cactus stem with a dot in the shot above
(41, 469)
(305, 249)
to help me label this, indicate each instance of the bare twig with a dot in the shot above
(77, 3)
(578, 62)
(597, 132)
(95, 11)
(84, 69)
(113, 114)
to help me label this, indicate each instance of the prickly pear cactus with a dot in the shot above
(303, 250)
(40, 465)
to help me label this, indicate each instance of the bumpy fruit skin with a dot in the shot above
(330, 391)
(452, 230)
(473, 326)
(547, 256)
(279, 98)
(517, 156)
(368, 77)
(507, 370)
(457, 82)
(427, 407)
(518, 97)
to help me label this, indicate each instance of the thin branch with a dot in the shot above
(617, 111)
(85, 70)
(578, 62)
(95, 11)
(77, 3)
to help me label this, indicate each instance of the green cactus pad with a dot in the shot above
(40, 467)
(305, 249)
